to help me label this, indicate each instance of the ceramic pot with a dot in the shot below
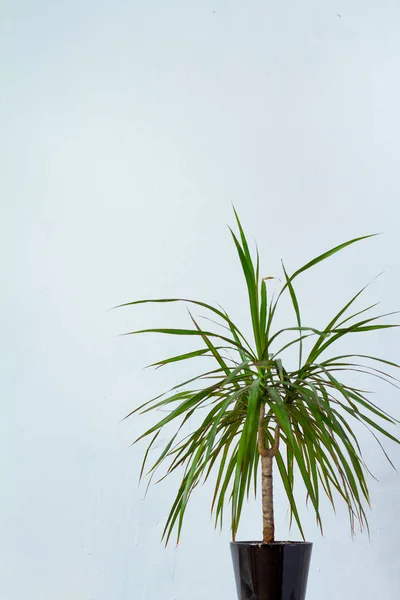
(276, 571)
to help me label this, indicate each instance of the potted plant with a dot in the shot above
(252, 412)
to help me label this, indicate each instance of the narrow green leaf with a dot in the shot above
(252, 289)
(296, 310)
(329, 253)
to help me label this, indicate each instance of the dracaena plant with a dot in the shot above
(254, 411)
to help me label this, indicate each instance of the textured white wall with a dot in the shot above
(128, 128)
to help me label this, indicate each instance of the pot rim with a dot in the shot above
(277, 543)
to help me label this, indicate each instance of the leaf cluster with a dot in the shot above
(313, 407)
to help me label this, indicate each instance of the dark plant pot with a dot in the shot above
(276, 571)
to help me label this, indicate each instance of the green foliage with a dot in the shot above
(312, 406)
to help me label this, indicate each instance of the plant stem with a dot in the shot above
(267, 500)
(267, 457)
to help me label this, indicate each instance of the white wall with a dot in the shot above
(128, 128)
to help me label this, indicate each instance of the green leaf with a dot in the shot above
(296, 310)
(181, 357)
(330, 253)
(263, 312)
(246, 250)
(252, 290)
(247, 447)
